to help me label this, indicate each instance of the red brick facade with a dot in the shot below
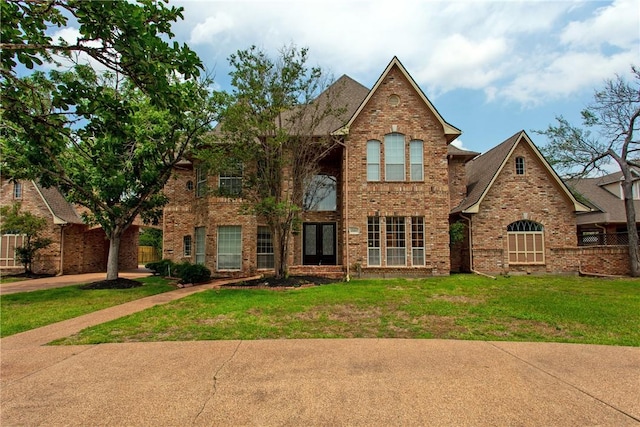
(410, 213)
(75, 248)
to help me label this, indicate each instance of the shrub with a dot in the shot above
(193, 273)
(164, 267)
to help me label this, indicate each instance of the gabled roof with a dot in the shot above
(343, 93)
(453, 151)
(484, 170)
(608, 207)
(61, 210)
(450, 131)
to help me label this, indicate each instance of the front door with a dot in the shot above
(319, 240)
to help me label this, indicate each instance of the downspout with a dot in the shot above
(345, 165)
(473, 270)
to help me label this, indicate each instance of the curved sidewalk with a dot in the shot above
(311, 382)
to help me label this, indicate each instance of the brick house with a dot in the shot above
(393, 186)
(76, 248)
(520, 216)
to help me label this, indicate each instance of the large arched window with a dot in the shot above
(526, 242)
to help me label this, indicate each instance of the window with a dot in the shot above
(320, 194)
(396, 241)
(526, 242)
(373, 160)
(265, 248)
(186, 246)
(200, 245)
(8, 244)
(229, 247)
(394, 157)
(201, 181)
(416, 160)
(519, 165)
(417, 240)
(373, 240)
(230, 181)
(17, 190)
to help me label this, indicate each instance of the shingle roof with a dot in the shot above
(344, 93)
(482, 169)
(454, 151)
(62, 211)
(610, 208)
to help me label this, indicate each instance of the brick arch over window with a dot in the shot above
(525, 241)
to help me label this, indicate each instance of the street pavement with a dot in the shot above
(350, 382)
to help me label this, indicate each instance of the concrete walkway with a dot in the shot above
(311, 382)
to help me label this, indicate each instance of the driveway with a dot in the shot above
(355, 382)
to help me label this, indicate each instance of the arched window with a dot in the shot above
(394, 153)
(525, 239)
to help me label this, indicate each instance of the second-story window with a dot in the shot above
(519, 165)
(394, 157)
(373, 160)
(230, 181)
(201, 181)
(321, 194)
(17, 190)
(416, 160)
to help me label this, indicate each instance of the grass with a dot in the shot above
(561, 309)
(28, 310)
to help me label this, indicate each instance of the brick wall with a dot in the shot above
(428, 198)
(534, 196)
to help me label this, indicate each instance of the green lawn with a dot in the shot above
(563, 309)
(28, 310)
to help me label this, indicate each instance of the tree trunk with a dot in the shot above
(632, 230)
(114, 251)
(281, 267)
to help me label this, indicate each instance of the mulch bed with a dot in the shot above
(289, 282)
(119, 283)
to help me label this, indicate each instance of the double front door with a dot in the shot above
(319, 241)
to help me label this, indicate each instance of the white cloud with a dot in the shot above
(517, 51)
(206, 31)
(615, 24)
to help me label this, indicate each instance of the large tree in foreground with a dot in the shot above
(273, 125)
(108, 139)
(614, 116)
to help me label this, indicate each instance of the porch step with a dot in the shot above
(329, 271)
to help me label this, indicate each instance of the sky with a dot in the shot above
(491, 68)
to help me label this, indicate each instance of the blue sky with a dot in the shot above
(491, 68)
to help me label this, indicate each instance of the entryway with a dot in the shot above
(319, 243)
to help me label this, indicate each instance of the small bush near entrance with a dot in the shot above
(188, 273)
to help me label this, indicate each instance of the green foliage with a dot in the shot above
(151, 237)
(270, 123)
(456, 232)
(193, 273)
(108, 140)
(164, 267)
(31, 226)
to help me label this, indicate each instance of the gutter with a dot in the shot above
(474, 271)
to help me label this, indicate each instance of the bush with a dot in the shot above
(193, 273)
(164, 267)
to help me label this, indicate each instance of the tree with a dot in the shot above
(30, 226)
(272, 124)
(108, 139)
(615, 117)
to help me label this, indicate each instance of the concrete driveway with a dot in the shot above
(355, 382)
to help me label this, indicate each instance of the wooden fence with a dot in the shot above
(147, 254)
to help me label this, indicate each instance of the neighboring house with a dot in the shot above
(75, 248)
(606, 224)
(391, 189)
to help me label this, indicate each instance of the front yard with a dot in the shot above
(562, 309)
(28, 310)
